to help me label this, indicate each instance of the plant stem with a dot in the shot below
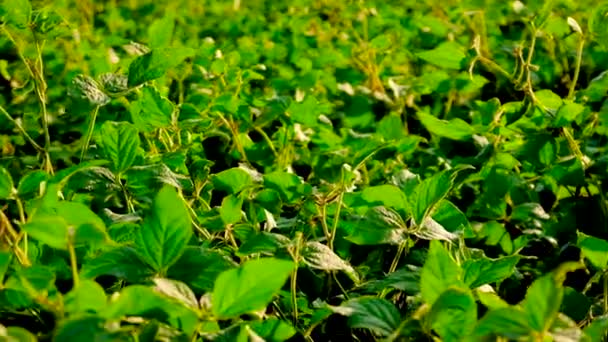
(22, 130)
(73, 264)
(577, 69)
(89, 135)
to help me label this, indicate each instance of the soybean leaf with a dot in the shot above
(209, 264)
(151, 110)
(509, 322)
(160, 31)
(439, 272)
(51, 230)
(89, 296)
(318, 256)
(542, 302)
(376, 314)
(165, 232)
(6, 184)
(453, 315)
(482, 271)
(120, 143)
(232, 180)
(155, 63)
(428, 194)
(249, 287)
(594, 249)
(143, 301)
(448, 55)
(178, 291)
(455, 129)
(86, 88)
(121, 262)
(230, 211)
(273, 330)
(379, 226)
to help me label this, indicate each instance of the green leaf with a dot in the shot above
(232, 180)
(156, 63)
(439, 273)
(119, 142)
(428, 194)
(6, 184)
(542, 302)
(50, 230)
(286, 184)
(379, 226)
(386, 195)
(318, 256)
(594, 249)
(448, 55)
(482, 271)
(160, 31)
(86, 327)
(121, 262)
(455, 129)
(406, 279)
(250, 287)
(151, 110)
(230, 211)
(263, 242)
(568, 113)
(143, 301)
(209, 264)
(548, 100)
(508, 322)
(16, 12)
(376, 314)
(30, 184)
(87, 297)
(308, 111)
(453, 315)
(273, 330)
(165, 232)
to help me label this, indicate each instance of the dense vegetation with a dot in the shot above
(305, 170)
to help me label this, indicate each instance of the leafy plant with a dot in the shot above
(307, 170)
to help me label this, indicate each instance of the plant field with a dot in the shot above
(307, 170)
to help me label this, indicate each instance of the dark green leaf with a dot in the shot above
(375, 314)
(121, 262)
(483, 271)
(208, 263)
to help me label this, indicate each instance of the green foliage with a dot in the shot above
(304, 170)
